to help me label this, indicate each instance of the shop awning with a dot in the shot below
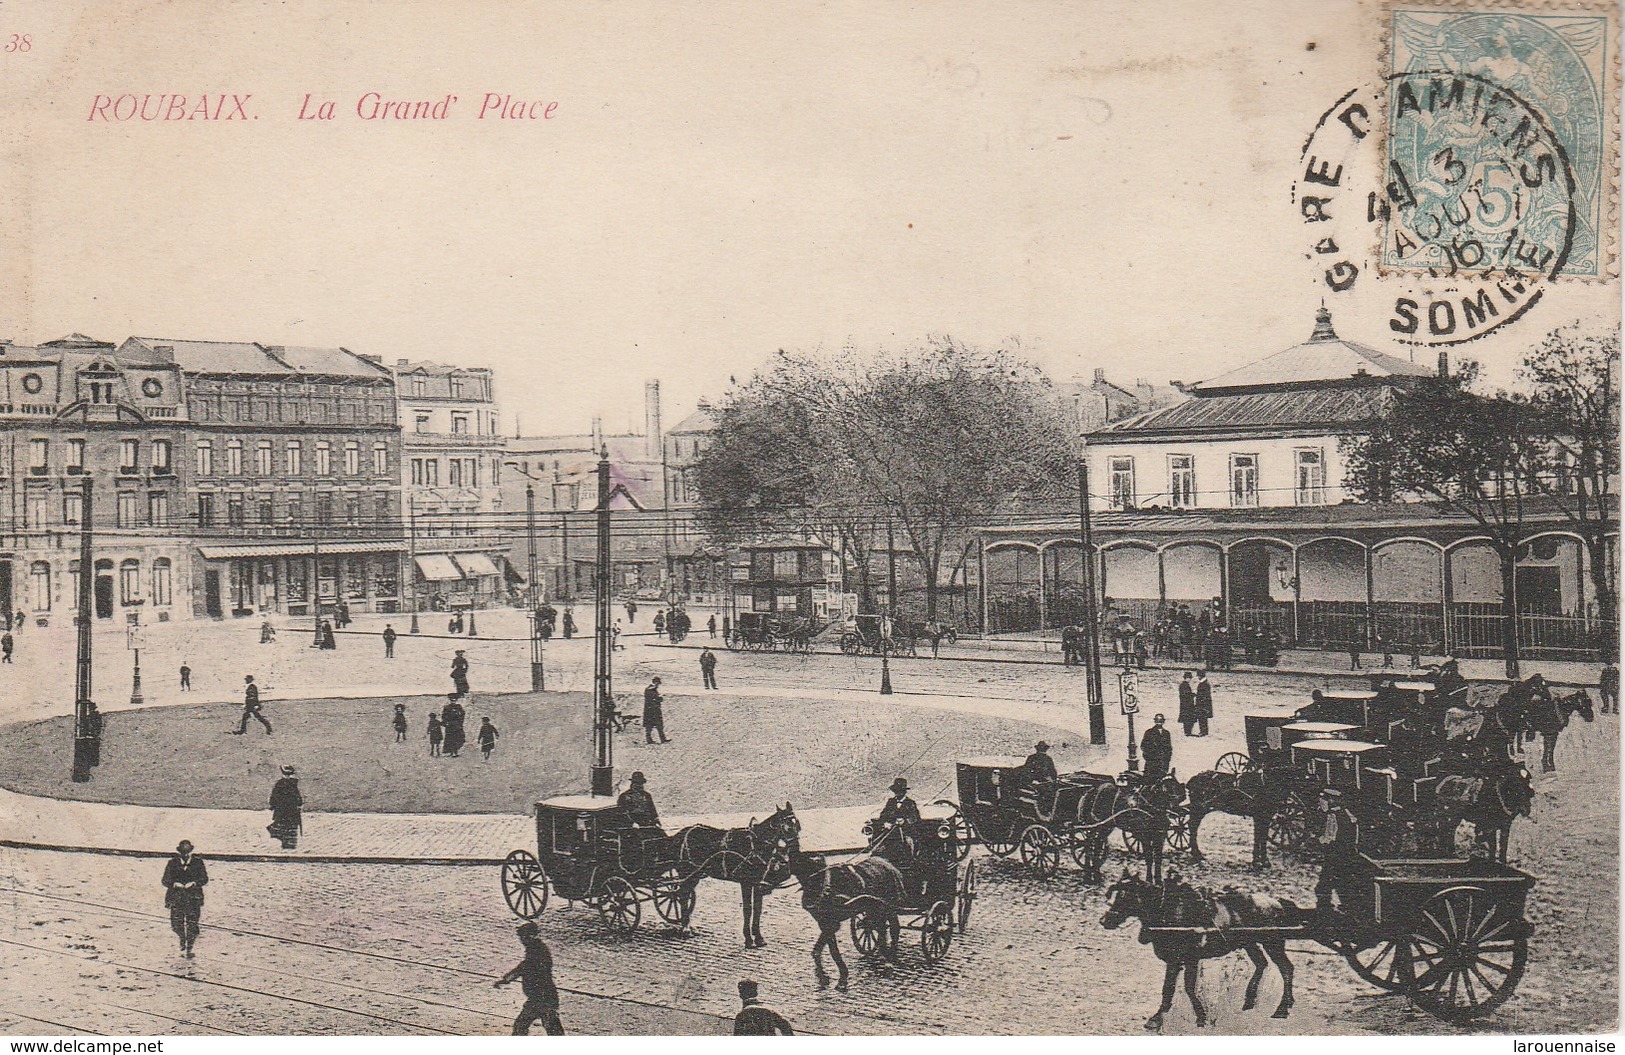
(438, 567)
(475, 565)
(296, 549)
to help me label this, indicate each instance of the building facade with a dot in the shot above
(699, 569)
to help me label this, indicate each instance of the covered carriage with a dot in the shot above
(939, 884)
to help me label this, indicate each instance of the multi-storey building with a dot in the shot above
(452, 452)
(291, 462)
(75, 410)
(699, 568)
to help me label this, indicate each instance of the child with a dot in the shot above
(488, 738)
(437, 733)
(400, 723)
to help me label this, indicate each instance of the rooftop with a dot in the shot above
(1323, 357)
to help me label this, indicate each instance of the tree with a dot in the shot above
(1573, 378)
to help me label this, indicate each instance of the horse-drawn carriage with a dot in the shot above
(937, 893)
(1011, 813)
(866, 634)
(771, 632)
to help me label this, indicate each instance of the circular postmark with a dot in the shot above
(1463, 201)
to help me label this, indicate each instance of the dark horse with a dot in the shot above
(1550, 717)
(833, 894)
(1139, 810)
(1490, 801)
(757, 857)
(1250, 794)
(1185, 925)
(1514, 707)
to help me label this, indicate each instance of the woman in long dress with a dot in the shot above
(286, 810)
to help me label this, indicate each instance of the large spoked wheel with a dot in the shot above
(937, 932)
(1179, 829)
(524, 884)
(1040, 851)
(1131, 842)
(673, 897)
(1000, 843)
(872, 934)
(1080, 843)
(1470, 954)
(1386, 965)
(958, 830)
(619, 906)
(851, 644)
(967, 894)
(1290, 827)
(1232, 762)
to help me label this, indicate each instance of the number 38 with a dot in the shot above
(19, 42)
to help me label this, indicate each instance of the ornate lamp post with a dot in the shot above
(133, 639)
(1091, 655)
(87, 723)
(603, 699)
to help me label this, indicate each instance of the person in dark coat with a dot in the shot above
(389, 641)
(569, 624)
(535, 976)
(756, 1019)
(727, 629)
(1158, 749)
(900, 807)
(267, 633)
(184, 879)
(1204, 704)
(660, 623)
(452, 717)
(708, 668)
(638, 804)
(329, 642)
(186, 678)
(1039, 765)
(6, 645)
(400, 723)
(487, 737)
(459, 673)
(251, 708)
(711, 625)
(1344, 873)
(287, 805)
(653, 716)
(1608, 687)
(437, 734)
(631, 612)
(1187, 703)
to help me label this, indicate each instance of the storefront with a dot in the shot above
(459, 580)
(288, 578)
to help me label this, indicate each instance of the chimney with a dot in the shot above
(1100, 375)
(597, 434)
(652, 438)
(403, 362)
(1444, 364)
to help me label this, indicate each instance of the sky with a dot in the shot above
(1110, 183)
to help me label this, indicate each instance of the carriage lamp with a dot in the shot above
(943, 832)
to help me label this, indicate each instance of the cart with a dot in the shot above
(938, 892)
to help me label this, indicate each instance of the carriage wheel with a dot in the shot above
(1040, 851)
(1232, 762)
(1386, 965)
(1470, 954)
(937, 932)
(732, 641)
(1179, 829)
(1289, 827)
(958, 830)
(673, 897)
(967, 894)
(1078, 843)
(851, 644)
(1131, 842)
(871, 934)
(524, 884)
(619, 906)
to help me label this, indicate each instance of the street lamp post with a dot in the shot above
(412, 557)
(891, 617)
(530, 543)
(87, 724)
(1097, 705)
(603, 699)
(134, 640)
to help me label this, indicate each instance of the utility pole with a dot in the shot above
(530, 541)
(890, 626)
(87, 724)
(1097, 706)
(412, 558)
(564, 558)
(134, 640)
(603, 698)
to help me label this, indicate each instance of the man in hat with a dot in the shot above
(638, 804)
(459, 673)
(708, 667)
(389, 641)
(184, 878)
(1039, 766)
(756, 1019)
(899, 807)
(654, 717)
(1187, 703)
(535, 976)
(287, 806)
(251, 708)
(1204, 703)
(1158, 748)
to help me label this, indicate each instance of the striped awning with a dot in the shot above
(475, 565)
(438, 567)
(296, 549)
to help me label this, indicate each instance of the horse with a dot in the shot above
(1140, 810)
(757, 857)
(1490, 801)
(1204, 925)
(1514, 706)
(1250, 794)
(1551, 717)
(833, 894)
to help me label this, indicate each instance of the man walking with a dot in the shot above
(186, 678)
(653, 717)
(251, 708)
(535, 976)
(1158, 748)
(459, 673)
(184, 878)
(287, 810)
(1204, 704)
(631, 611)
(488, 737)
(389, 641)
(711, 625)
(755, 1019)
(1187, 703)
(708, 668)
(6, 645)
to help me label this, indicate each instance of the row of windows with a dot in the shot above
(344, 409)
(460, 472)
(423, 421)
(160, 454)
(240, 509)
(1309, 480)
(38, 506)
(461, 388)
(293, 458)
(160, 583)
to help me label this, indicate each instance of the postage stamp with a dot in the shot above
(1485, 102)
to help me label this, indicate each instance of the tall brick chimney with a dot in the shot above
(652, 439)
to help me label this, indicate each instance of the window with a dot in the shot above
(73, 508)
(205, 459)
(296, 511)
(419, 387)
(129, 510)
(235, 409)
(496, 472)
(234, 510)
(39, 586)
(262, 458)
(1311, 476)
(382, 509)
(454, 472)
(380, 458)
(422, 424)
(324, 509)
(267, 511)
(324, 458)
(76, 456)
(161, 588)
(352, 458)
(296, 460)
(35, 510)
(1120, 482)
(205, 511)
(39, 457)
(158, 509)
(385, 577)
(129, 582)
(1244, 480)
(129, 457)
(1182, 481)
(234, 458)
(352, 508)
(426, 472)
(456, 389)
(161, 457)
(459, 424)
(355, 577)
